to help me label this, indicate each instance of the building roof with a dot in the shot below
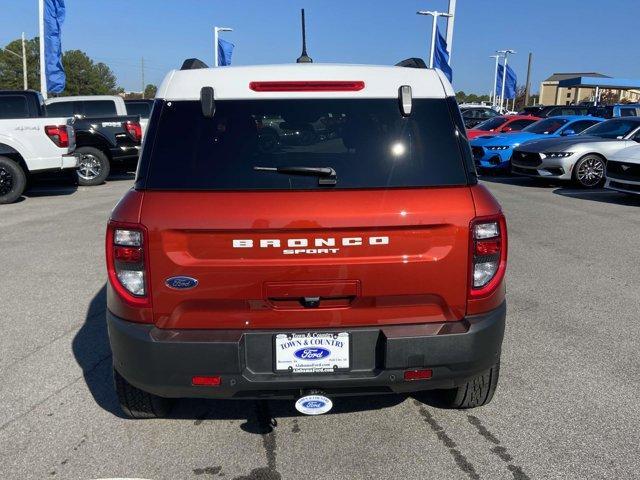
(606, 82)
(563, 76)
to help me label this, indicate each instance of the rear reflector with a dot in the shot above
(411, 375)
(206, 381)
(307, 86)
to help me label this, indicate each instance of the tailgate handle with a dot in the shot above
(323, 294)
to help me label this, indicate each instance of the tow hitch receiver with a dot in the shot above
(314, 403)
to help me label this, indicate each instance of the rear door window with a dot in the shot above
(367, 142)
(13, 106)
(61, 109)
(99, 108)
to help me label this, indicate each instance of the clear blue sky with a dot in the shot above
(564, 35)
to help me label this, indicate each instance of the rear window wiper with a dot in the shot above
(327, 175)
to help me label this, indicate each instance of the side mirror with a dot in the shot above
(567, 132)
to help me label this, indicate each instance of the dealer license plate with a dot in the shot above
(312, 352)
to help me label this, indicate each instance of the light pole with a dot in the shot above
(506, 54)
(435, 16)
(24, 61)
(495, 80)
(452, 13)
(216, 31)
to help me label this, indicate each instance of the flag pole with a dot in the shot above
(492, 97)
(435, 16)
(450, 20)
(215, 46)
(43, 71)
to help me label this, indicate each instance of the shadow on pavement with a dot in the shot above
(93, 354)
(50, 185)
(600, 195)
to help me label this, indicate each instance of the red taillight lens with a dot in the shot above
(488, 254)
(411, 375)
(308, 86)
(126, 262)
(58, 135)
(206, 381)
(134, 129)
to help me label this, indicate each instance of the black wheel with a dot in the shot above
(13, 180)
(136, 403)
(93, 166)
(588, 172)
(478, 391)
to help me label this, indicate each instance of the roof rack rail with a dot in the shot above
(193, 64)
(413, 62)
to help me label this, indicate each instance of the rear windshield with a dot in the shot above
(368, 143)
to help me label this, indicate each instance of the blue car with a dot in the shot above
(494, 152)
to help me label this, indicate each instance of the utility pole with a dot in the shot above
(527, 90)
(24, 63)
(435, 16)
(43, 71)
(450, 20)
(142, 71)
(216, 34)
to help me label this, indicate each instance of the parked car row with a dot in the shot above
(86, 134)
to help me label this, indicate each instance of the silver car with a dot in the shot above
(580, 158)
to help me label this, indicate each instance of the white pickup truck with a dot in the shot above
(31, 145)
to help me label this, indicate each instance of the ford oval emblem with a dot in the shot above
(181, 283)
(314, 404)
(312, 353)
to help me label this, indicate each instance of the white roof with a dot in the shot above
(233, 82)
(83, 97)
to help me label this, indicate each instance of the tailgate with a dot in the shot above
(308, 259)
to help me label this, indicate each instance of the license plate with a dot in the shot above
(312, 352)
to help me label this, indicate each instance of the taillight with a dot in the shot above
(134, 129)
(308, 86)
(488, 254)
(58, 135)
(127, 262)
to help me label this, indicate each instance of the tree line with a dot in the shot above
(84, 75)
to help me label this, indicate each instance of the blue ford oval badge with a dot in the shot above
(312, 353)
(314, 404)
(181, 283)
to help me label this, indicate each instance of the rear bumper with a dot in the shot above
(163, 362)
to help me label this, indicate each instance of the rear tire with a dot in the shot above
(476, 392)
(13, 180)
(93, 166)
(136, 403)
(588, 172)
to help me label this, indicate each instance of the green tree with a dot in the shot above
(11, 66)
(150, 91)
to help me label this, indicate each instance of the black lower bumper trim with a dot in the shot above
(163, 362)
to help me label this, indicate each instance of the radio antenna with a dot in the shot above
(304, 58)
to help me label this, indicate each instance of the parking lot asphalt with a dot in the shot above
(567, 404)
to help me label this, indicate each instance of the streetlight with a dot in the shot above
(216, 31)
(435, 16)
(24, 61)
(506, 54)
(492, 97)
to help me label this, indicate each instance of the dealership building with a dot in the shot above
(576, 87)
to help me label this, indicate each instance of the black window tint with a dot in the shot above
(367, 142)
(99, 108)
(520, 124)
(627, 112)
(60, 109)
(13, 106)
(488, 113)
(139, 108)
(581, 125)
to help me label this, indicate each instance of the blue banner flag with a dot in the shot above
(510, 85)
(225, 51)
(441, 56)
(54, 12)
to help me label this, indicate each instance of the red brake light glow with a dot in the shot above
(308, 86)
(58, 135)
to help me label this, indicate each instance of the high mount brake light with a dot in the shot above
(127, 262)
(308, 86)
(58, 135)
(488, 255)
(134, 129)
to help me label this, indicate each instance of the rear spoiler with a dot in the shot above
(193, 64)
(413, 62)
